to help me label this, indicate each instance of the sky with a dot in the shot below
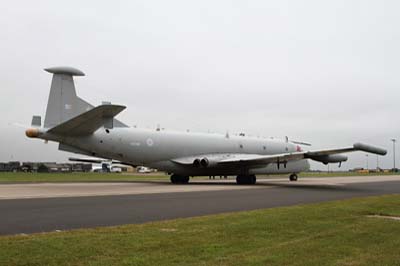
(324, 72)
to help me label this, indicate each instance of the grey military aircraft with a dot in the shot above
(82, 128)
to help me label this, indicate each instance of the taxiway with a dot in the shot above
(43, 207)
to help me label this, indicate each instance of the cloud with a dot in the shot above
(321, 72)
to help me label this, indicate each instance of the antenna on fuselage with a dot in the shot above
(297, 142)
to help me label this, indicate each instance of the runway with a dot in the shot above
(29, 208)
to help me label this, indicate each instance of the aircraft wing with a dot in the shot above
(324, 156)
(235, 159)
(356, 147)
(255, 159)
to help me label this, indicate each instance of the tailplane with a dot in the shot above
(88, 122)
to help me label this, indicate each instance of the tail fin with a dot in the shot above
(63, 102)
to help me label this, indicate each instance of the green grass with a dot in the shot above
(76, 177)
(334, 233)
(98, 177)
(333, 174)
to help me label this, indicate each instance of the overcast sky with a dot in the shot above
(325, 72)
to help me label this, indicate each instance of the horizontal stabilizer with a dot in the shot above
(88, 122)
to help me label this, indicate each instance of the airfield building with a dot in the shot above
(45, 167)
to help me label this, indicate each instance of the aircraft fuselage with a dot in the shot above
(156, 148)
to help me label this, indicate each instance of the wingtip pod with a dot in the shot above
(65, 70)
(369, 148)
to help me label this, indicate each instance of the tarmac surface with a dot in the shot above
(44, 207)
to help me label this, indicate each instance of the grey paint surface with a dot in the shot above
(41, 215)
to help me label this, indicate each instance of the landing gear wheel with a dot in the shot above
(246, 179)
(253, 179)
(174, 179)
(179, 179)
(293, 177)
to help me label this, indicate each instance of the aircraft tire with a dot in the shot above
(240, 180)
(246, 179)
(174, 179)
(253, 179)
(179, 179)
(293, 177)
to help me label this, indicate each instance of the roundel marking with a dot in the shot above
(149, 142)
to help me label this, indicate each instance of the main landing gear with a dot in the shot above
(246, 179)
(293, 177)
(179, 179)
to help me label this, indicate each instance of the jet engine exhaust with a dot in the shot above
(204, 162)
(196, 163)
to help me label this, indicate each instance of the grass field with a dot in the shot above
(334, 233)
(333, 174)
(77, 177)
(6, 177)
